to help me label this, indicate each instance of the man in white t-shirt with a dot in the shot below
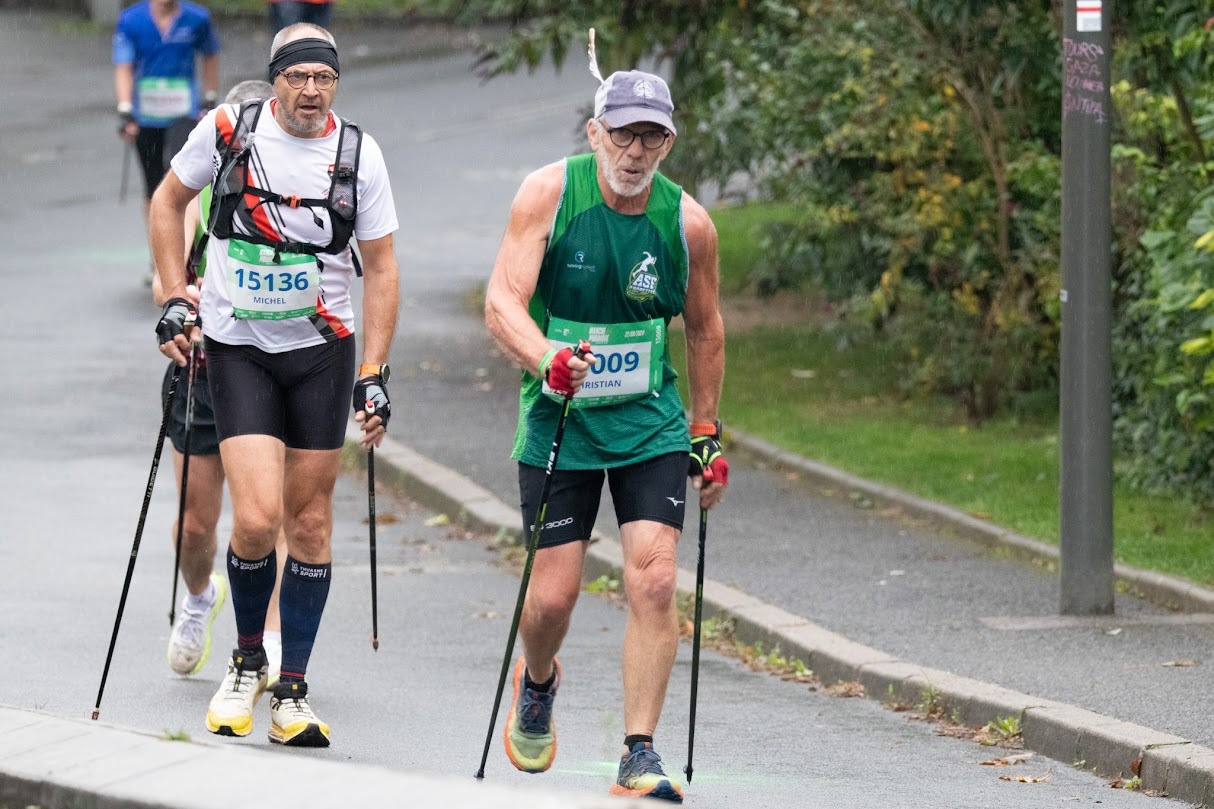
(293, 184)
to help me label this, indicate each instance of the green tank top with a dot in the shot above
(604, 267)
(200, 229)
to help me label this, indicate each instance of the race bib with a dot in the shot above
(164, 99)
(261, 288)
(628, 359)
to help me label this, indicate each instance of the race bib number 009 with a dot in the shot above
(628, 359)
(262, 289)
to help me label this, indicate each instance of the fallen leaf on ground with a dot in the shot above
(438, 519)
(1027, 779)
(842, 689)
(1179, 663)
(1007, 761)
(804, 373)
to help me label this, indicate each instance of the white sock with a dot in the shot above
(203, 601)
(272, 636)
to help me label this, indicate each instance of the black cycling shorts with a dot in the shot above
(157, 146)
(203, 438)
(655, 490)
(301, 397)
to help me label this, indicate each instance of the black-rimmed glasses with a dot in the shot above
(298, 79)
(650, 138)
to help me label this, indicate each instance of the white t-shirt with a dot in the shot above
(288, 165)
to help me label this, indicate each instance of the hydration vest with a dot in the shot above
(231, 186)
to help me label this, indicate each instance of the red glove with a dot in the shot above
(558, 374)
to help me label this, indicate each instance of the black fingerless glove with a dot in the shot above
(371, 398)
(178, 314)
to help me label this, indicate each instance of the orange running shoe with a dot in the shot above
(530, 734)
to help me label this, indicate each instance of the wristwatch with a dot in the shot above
(382, 371)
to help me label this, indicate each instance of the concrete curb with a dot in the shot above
(1107, 746)
(52, 762)
(1158, 588)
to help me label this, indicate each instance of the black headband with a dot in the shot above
(299, 51)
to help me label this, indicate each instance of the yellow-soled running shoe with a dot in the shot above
(530, 735)
(231, 710)
(291, 719)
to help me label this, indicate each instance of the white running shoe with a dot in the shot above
(291, 719)
(190, 641)
(231, 710)
(273, 646)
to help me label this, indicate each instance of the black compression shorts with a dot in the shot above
(203, 438)
(654, 490)
(301, 397)
(156, 148)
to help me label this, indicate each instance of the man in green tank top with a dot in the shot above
(603, 248)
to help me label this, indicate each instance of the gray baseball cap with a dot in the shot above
(629, 96)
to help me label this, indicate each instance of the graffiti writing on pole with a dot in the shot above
(1083, 84)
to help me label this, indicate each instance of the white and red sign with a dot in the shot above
(1087, 15)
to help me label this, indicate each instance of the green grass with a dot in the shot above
(842, 407)
(739, 229)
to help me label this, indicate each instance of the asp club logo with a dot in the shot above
(643, 279)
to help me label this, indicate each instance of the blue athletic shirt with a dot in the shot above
(137, 41)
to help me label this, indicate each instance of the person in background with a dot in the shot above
(156, 45)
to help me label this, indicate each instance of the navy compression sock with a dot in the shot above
(252, 583)
(301, 602)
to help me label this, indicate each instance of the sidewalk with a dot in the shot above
(1130, 691)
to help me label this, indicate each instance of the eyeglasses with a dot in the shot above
(650, 138)
(297, 79)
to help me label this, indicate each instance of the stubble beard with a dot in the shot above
(304, 128)
(625, 188)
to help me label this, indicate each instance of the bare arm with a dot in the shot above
(381, 290)
(517, 270)
(703, 329)
(381, 296)
(165, 216)
(190, 224)
(210, 74)
(124, 91)
(124, 82)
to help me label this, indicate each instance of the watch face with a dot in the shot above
(385, 371)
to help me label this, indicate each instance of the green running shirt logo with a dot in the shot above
(643, 279)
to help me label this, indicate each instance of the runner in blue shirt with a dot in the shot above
(156, 43)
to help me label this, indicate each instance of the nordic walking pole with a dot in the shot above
(695, 644)
(532, 545)
(185, 477)
(143, 514)
(371, 528)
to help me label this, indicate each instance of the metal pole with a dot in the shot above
(1086, 526)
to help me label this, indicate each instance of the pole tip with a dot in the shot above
(96, 713)
(687, 771)
(375, 643)
(480, 774)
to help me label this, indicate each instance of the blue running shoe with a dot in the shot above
(641, 776)
(530, 735)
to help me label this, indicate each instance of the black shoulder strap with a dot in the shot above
(230, 177)
(343, 188)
